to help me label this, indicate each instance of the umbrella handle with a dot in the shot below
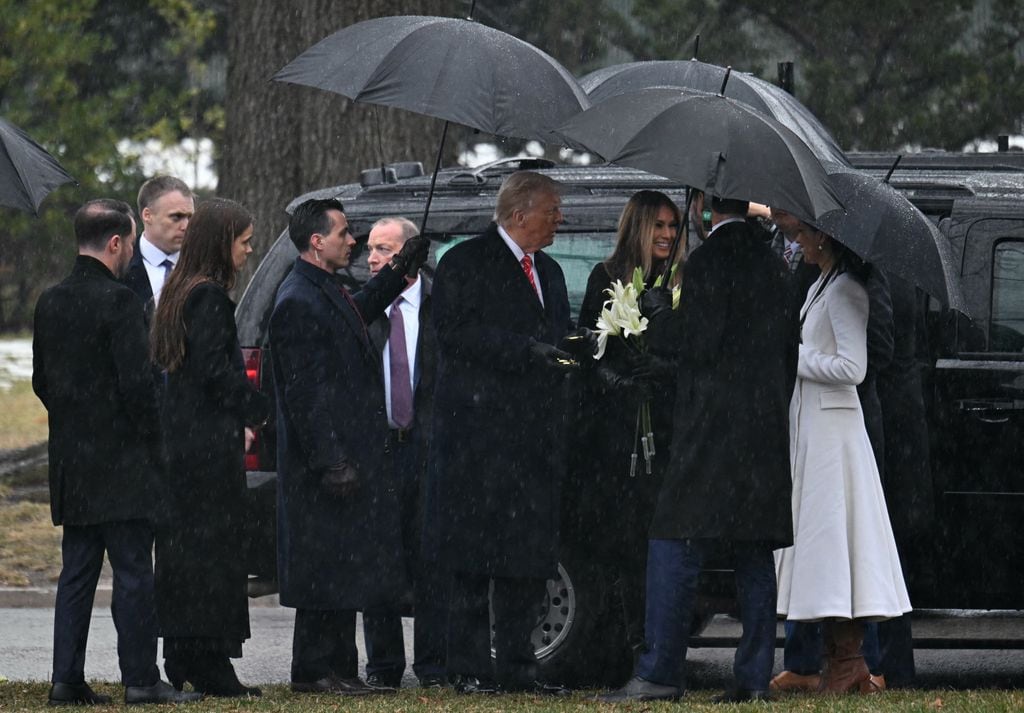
(433, 180)
(684, 225)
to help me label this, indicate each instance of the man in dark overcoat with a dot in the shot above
(497, 459)
(407, 348)
(339, 511)
(90, 368)
(728, 484)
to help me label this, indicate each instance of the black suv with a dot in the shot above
(974, 379)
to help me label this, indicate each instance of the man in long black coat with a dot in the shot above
(728, 483)
(339, 529)
(91, 370)
(497, 460)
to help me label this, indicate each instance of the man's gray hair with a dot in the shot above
(409, 229)
(518, 192)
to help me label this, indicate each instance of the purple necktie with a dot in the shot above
(167, 265)
(401, 387)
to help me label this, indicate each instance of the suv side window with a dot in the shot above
(1006, 325)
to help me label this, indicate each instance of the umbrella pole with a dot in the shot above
(895, 163)
(684, 226)
(696, 46)
(433, 180)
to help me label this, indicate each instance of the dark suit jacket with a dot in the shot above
(137, 279)
(91, 370)
(426, 363)
(497, 458)
(333, 552)
(735, 337)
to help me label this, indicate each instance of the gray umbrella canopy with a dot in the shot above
(27, 172)
(707, 141)
(452, 69)
(879, 224)
(692, 74)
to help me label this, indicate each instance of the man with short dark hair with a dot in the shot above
(339, 531)
(727, 488)
(91, 370)
(165, 206)
(501, 313)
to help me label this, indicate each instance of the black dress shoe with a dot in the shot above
(742, 695)
(433, 680)
(472, 684)
(639, 689)
(75, 694)
(159, 692)
(334, 685)
(384, 684)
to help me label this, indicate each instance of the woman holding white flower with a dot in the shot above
(616, 385)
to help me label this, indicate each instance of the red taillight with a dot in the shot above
(253, 361)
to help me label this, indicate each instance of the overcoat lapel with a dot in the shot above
(508, 263)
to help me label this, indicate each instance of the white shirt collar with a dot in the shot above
(725, 222)
(512, 245)
(154, 255)
(413, 294)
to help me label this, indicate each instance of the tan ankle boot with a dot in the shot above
(845, 669)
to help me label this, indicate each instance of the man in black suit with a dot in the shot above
(165, 206)
(339, 511)
(406, 343)
(497, 458)
(91, 370)
(728, 483)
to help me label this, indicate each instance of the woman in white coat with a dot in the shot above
(843, 568)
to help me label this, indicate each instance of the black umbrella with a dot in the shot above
(27, 172)
(451, 69)
(879, 224)
(707, 141)
(692, 74)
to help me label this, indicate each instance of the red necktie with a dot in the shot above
(527, 263)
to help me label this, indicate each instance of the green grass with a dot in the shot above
(22, 417)
(32, 697)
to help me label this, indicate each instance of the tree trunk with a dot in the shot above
(282, 140)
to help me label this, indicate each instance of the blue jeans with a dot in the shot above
(673, 567)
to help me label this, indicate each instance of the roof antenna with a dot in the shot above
(725, 80)
(893, 168)
(696, 46)
(380, 145)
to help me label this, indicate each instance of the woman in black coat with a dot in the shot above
(613, 390)
(208, 415)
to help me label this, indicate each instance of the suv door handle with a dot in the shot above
(990, 410)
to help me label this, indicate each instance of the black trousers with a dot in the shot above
(382, 629)
(324, 643)
(515, 602)
(129, 546)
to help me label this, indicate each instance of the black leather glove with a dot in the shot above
(655, 301)
(650, 367)
(548, 355)
(614, 381)
(580, 342)
(411, 257)
(341, 480)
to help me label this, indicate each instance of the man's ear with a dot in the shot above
(115, 244)
(146, 215)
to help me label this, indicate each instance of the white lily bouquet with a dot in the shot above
(620, 317)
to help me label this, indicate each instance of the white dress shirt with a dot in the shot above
(410, 306)
(152, 259)
(518, 252)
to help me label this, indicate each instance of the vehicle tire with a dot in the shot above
(580, 636)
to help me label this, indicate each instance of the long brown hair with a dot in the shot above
(205, 257)
(636, 236)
